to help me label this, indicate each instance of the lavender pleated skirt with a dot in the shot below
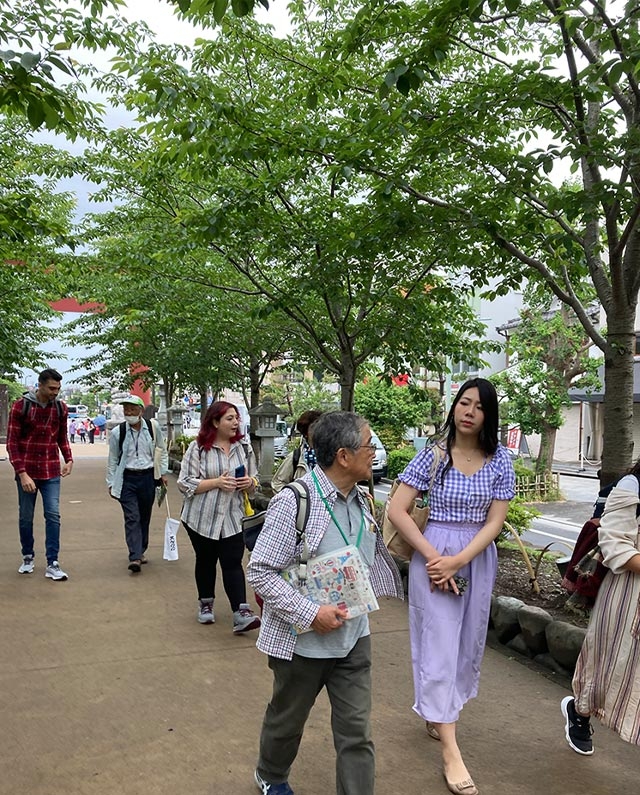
(448, 632)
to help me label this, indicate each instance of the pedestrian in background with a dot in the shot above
(606, 680)
(36, 436)
(469, 486)
(336, 655)
(72, 431)
(82, 431)
(91, 430)
(137, 462)
(215, 471)
(302, 459)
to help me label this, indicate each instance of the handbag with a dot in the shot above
(395, 541)
(252, 522)
(171, 527)
(251, 527)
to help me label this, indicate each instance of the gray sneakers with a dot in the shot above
(245, 619)
(205, 611)
(27, 565)
(54, 572)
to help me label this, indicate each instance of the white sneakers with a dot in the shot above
(54, 572)
(27, 565)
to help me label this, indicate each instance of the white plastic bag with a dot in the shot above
(171, 527)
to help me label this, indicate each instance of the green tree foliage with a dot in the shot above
(551, 352)
(494, 100)
(213, 11)
(40, 89)
(354, 272)
(307, 394)
(187, 339)
(391, 409)
(35, 233)
(39, 68)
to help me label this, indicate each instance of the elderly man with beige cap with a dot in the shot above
(138, 460)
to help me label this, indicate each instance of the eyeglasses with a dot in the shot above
(370, 447)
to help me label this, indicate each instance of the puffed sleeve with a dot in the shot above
(417, 473)
(504, 483)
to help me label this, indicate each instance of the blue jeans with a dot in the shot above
(50, 491)
(136, 498)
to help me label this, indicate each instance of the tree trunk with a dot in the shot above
(544, 464)
(347, 381)
(254, 388)
(617, 448)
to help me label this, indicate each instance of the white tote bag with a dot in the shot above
(171, 527)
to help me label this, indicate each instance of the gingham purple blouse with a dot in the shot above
(460, 498)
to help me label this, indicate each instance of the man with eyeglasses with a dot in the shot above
(328, 650)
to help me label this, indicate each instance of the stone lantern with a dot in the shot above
(266, 414)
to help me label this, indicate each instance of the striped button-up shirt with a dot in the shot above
(215, 513)
(276, 549)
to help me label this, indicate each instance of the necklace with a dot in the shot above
(468, 457)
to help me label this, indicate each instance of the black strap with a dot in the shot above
(123, 432)
(26, 405)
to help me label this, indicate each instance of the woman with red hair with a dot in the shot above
(217, 467)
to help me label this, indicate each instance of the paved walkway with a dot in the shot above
(109, 686)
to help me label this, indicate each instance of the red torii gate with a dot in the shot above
(72, 305)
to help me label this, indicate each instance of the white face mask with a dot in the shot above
(132, 420)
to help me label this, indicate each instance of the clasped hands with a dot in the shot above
(441, 571)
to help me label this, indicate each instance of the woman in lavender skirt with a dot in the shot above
(469, 478)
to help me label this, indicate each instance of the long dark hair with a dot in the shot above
(208, 431)
(488, 436)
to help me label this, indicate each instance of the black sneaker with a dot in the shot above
(578, 729)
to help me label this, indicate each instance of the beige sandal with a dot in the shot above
(466, 787)
(432, 731)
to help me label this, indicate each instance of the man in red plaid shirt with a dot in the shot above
(36, 435)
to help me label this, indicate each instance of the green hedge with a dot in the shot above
(520, 515)
(397, 460)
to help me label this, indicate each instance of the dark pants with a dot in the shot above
(229, 552)
(296, 684)
(50, 493)
(136, 499)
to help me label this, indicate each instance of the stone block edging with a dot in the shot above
(535, 634)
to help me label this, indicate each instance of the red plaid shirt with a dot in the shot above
(36, 439)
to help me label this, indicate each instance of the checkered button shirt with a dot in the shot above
(275, 550)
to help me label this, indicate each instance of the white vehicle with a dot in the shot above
(379, 466)
(77, 410)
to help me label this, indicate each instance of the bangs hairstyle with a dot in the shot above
(488, 436)
(208, 431)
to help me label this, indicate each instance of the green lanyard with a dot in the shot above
(335, 521)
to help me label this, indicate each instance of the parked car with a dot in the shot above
(379, 466)
(281, 447)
